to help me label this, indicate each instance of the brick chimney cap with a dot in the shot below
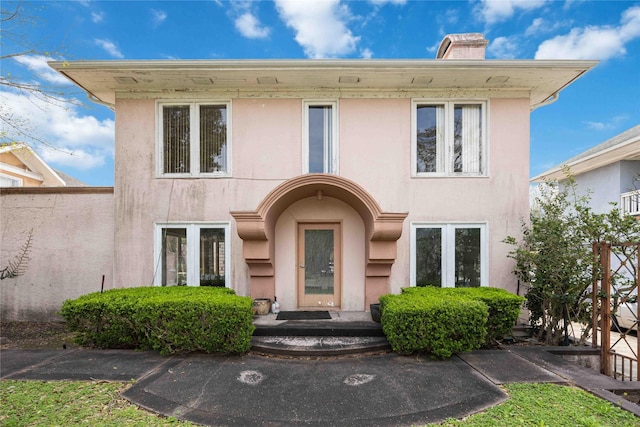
(464, 41)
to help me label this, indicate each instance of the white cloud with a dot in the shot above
(97, 17)
(366, 53)
(250, 27)
(503, 47)
(158, 17)
(613, 123)
(493, 11)
(383, 2)
(320, 27)
(110, 47)
(38, 65)
(594, 42)
(542, 26)
(73, 139)
(596, 125)
(433, 49)
(536, 27)
(451, 16)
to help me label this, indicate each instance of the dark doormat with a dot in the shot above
(303, 315)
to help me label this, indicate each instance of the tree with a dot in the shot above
(555, 259)
(16, 45)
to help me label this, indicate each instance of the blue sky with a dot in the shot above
(79, 139)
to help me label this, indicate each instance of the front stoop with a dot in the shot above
(346, 333)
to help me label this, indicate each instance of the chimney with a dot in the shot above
(462, 46)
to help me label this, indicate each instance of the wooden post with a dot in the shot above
(605, 306)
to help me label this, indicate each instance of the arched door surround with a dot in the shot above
(257, 230)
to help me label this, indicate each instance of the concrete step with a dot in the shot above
(318, 346)
(319, 328)
(346, 333)
(521, 331)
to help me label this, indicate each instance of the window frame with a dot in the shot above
(193, 249)
(333, 157)
(194, 135)
(14, 179)
(449, 114)
(448, 250)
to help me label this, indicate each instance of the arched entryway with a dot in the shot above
(257, 230)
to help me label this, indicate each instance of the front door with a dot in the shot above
(319, 265)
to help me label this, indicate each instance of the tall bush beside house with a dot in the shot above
(503, 307)
(426, 323)
(168, 319)
(554, 257)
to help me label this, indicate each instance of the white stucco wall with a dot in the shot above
(374, 149)
(605, 185)
(71, 248)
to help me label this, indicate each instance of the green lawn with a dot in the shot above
(551, 405)
(69, 403)
(64, 403)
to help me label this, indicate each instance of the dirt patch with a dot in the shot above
(36, 335)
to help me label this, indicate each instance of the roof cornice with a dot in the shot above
(309, 64)
(102, 80)
(628, 149)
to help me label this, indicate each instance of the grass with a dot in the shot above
(69, 403)
(542, 405)
(66, 403)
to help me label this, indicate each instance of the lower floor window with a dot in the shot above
(448, 255)
(191, 254)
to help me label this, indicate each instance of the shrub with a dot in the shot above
(167, 319)
(425, 322)
(504, 307)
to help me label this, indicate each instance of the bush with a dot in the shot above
(504, 307)
(166, 319)
(416, 322)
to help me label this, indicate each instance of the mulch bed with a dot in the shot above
(35, 335)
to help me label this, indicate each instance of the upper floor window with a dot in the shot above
(194, 139)
(449, 138)
(320, 137)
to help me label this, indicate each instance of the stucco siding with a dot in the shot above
(71, 248)
(629, 176)
(604, 185)
(266, 145)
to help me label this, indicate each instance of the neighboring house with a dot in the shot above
(20, 166)
(325, 182)
(610, 171)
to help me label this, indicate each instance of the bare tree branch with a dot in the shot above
(15, 43)
(18, 265)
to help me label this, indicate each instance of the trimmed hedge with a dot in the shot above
(504, 307)
(166, 319)
(428, 322)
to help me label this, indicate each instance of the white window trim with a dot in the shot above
(448, 250)
(448, 137)
(194, 120)
(193, 235)
(334, 133)
(15, 179)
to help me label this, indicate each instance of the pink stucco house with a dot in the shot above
(325, 182)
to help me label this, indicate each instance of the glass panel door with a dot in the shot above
(319, 269)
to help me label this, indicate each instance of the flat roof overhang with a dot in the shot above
(105, 81)
(629, 150)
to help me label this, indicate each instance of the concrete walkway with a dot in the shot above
(383, 389)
